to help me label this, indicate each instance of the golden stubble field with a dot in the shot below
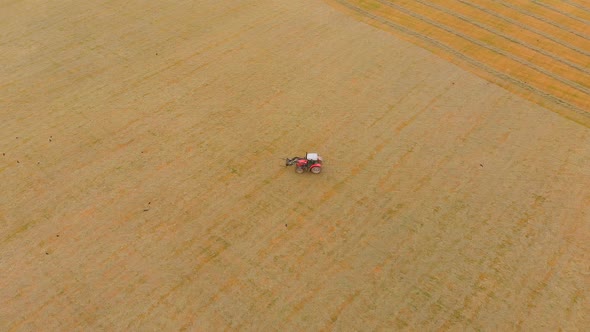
(538, 50)
(143, 186)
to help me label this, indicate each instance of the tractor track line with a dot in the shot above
(212, 48)
(494, 49)
(542, 19)
(553, 9)
(577, 5)
(208, 254)
(513, 40)
(467, 59)
(525, 27)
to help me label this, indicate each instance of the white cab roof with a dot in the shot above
(312, 156)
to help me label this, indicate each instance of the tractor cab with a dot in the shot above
(314, 158)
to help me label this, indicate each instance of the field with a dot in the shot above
(142, 150)
(537, 49)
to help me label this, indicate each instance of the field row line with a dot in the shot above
(577, 5)
(525, 27)
(509, 38)
(494, 49)
(551, 8)
(542, 19)
(467, 59)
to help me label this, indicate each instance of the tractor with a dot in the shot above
(312, 162)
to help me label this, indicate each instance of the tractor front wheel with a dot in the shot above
(316, 170)
(299, 170)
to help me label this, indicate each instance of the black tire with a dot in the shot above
(316, 170)
(299, 170)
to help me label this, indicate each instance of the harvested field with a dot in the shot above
(538, 50)
(143, 186)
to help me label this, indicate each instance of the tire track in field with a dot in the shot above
(403, 156)
(491, 30)
(212, 48)
(343, 305)
(542, 19)
(526, 27)
(209, 252)
(566, 105)
(491, 271)
(542, 25)
(361, 232)
(551, 8)
(384, 181)
(577, 5)
(303, 215)
(483, 45)
(225, 287)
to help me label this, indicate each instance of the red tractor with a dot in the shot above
(312, 162)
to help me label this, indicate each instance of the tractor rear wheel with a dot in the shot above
(299, 170)
(316, 170)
